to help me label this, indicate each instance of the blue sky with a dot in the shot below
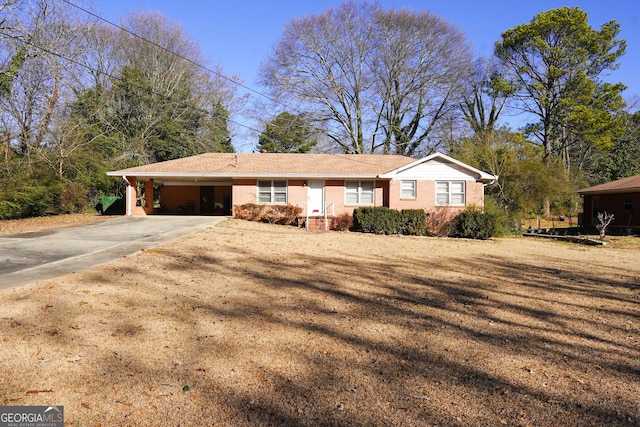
(239, 34)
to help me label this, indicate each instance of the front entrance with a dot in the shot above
(315, 198)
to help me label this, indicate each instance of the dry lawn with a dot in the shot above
(46, 222)
(251, 324)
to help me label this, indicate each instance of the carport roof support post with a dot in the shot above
(131, 195)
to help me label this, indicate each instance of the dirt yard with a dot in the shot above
(251, 324)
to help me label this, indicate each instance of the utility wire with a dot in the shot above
(88, 12)
(118, 78)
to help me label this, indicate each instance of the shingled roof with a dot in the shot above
(624, 185)
(271, 165)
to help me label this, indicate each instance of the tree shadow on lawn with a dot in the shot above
(292, 338)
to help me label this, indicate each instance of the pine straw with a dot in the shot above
(251, 324)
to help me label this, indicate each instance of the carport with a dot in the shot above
(177, 195)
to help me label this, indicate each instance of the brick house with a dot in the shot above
(321, 184)
(620, 198)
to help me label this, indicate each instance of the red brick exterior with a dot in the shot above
(625, 208)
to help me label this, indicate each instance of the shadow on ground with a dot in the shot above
(257, 328)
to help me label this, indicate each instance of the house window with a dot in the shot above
(628, 204)
(407, 189)
(359, 192)
(450, 193)
(272, 191)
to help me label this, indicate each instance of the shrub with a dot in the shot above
(287, 214)
(378, 220)
(249, 211)
(273, 214)
(475, 224)
(382, 220)
(413, 222)
(29, 201)
(505, 224)
(9, 210)
(441, 222)
(342, 222)
(73, 199)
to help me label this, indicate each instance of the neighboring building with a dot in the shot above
(620, 198)
(321, 184)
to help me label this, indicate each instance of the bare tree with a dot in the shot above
(320, 62)
(375, 80)
(51, 35)
(486, 95)
(604, 219)
(420, 68)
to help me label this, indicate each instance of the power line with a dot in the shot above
(167, 97)
(111, 76)
(88, 12)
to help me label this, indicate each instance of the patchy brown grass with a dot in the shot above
(253, 324)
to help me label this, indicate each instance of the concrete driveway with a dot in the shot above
(43, 255)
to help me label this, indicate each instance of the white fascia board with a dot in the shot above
(482, 176)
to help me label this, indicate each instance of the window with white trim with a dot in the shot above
(450, 193)
(272, 192)
(359, 192)
(407, 189)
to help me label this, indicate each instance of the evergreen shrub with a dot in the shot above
(382, 220)
(475, 224)
(29, 201)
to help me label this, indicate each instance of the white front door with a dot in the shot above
(315, 198)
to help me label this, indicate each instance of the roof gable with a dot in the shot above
(439, 166)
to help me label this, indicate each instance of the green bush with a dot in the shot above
(475, 224)
(29, 201)
(505, 224)
(9, 210)
(382, 220)
(413, 222)
(378, 220)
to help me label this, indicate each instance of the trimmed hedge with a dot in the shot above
(413, 222)
(378, 220)
(475, 224)
(382, 220)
